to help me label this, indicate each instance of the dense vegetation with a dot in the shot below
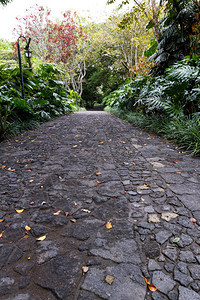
(167, 101)
(143, 62)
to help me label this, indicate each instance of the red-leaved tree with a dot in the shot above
(51, 40)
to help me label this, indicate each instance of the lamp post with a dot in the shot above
(28, 55)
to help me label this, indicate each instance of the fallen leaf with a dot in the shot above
(2, 220)
(19, 211)
(43, 202)
(142, 199)
(1, 234)
(57, 213)
(98, 173)
(32, 202)
(109, 279)
(29, 258)
(31, 180)
(176, 240)
(193, 220)
(75, 146)
(154, 218)
(66, 213)
(11, 170)
(108, 225)
(73, 220)
(26, 236)
(101, 142)
(168, 216)
(86, 210)
(27, 228)
(85, 269)
(146, 280)
(152, 287)
(123, 142)
(99, 182)
(3, 167)
(75, 204)
(41, 238)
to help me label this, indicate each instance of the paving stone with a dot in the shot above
(184, 280)
(185, 240)
(87, 296)
(112, 208)
(185, 222)
(47, 250)
(171, 253)
(163, 282)
(187, 256)
(83, 230)
(6, 284)
(127, 278)
(21, 297)
(163, 236)
(181, 266)
(153, 265)
(169, 267)
(5, 252)
(151, 249)
(195, 271)
(146, 225)
(24, 282)
(24, 267)
(122, 251)
(60, 275)
(185, 294)
(173, 295)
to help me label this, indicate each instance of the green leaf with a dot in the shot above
(176, 240)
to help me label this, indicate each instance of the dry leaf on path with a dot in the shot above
(2, 220)
(150, 286)
(109, 279)
(26, 236)
(86, 210)
(27, 228)
(57, 213)
(108, 225)
(19, 211)
(75, 204)
(41, 238)
(99, 182)
(1, 234)
(193, 220)
(98, 173)
(66, 213)
(85, 269)
(73, 220)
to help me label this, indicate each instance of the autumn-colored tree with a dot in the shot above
(51, 41)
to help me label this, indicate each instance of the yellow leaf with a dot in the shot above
(27, 228)
(2, 167)
(19, 211)
(75, 146)
(101, 142)
(41, 238)
(142, 199)
(98, 173)
(29, 258)
(75, 204)
(31, 180)
(1, 234)
(108, 225)
(2, 220)
(109, 279)
(57, 213)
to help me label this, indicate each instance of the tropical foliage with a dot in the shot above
(46, 97)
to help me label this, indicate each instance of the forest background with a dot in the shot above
(142, 63)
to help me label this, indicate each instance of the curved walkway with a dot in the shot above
(73, 175)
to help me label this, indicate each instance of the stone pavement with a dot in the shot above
(71, 176)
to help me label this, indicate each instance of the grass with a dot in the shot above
(185, 132)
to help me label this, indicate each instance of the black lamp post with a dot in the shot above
(28, 55)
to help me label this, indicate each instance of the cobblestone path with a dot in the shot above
(73, 175)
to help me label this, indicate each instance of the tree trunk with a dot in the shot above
(155, 19)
